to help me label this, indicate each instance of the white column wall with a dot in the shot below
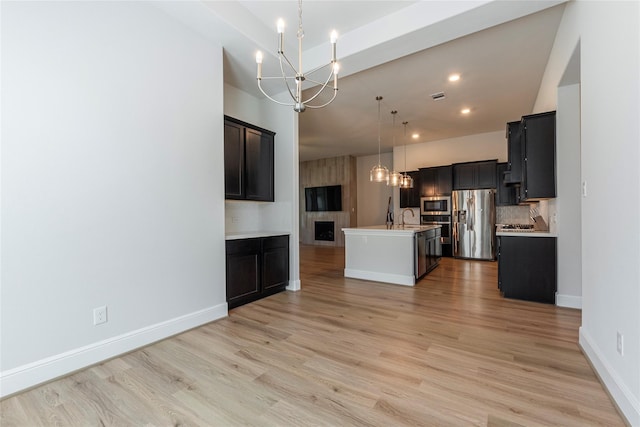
(608, 34)
(112, 183)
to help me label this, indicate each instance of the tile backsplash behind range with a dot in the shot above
(513, 215)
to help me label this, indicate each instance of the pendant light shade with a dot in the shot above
(394, 177)
(379, 173)
(405, 181)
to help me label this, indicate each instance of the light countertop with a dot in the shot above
(253, 234)
(407, 230)
(526, 234)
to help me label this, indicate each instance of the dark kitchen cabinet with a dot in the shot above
(248, 161)
(513, 174)
(505, 194)
(539, 156)
(527, 268)
(436, 181)
(410, 197)
(474, 175)
(256, 268)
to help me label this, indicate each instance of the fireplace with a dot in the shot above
(325, 230)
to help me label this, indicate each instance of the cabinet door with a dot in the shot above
(427, 182)
(514, 146)
(410, 197)
(275, 264)
(505, 194)
(464, 176)
(233, 160)
(486, 174)
(258, 165)
(243, 271)
(444, 180)
(527, 268)
(539, 171)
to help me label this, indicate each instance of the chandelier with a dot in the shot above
(405, 181)
(395, 178)
(379, 173)
(299, 105)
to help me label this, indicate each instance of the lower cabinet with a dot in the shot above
(256, 268)
(527, 268)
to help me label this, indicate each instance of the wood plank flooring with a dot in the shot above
(344, 352)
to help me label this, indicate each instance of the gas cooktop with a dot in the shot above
(516, 227)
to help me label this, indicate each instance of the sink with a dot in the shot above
(408, 227)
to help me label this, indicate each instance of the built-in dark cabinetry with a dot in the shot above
(474, 175)
(436, 181)
(527, 268)
(248, 161)
(505, 194)
(539, 156)
(256, 268)
(410, 197)
(513, 174)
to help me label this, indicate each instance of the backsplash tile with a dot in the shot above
(513, 215)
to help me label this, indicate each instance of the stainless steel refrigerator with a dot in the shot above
(474, 224)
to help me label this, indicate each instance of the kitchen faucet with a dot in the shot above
(403, 212)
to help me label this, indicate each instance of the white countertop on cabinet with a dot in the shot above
(384, 230)
(525, 234)
(253, 234)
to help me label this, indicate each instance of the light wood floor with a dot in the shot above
(342, 352)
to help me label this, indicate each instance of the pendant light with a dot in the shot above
(379, 173)
(394, 177)
(406, 181)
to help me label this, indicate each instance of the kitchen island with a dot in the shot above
(399, 254)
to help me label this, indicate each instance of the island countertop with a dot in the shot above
(395, 230)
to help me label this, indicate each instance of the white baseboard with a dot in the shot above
(294, 285)
(628, 404)
(569, 301)
(397, 279)
(26, 376)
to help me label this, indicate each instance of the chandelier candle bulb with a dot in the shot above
(259, 62)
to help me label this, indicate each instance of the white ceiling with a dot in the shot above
(401, 50)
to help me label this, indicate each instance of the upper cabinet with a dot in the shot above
(410, 197)
(248, 161)
(436, 181)
(474, 175)
(513, 173)
(539, 156)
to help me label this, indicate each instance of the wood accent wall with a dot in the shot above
(332, 171)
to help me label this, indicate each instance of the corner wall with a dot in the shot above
(112, 184)
(608, 34)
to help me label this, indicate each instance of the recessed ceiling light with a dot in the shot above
(415, 136)
(454, 77)
(465, 111)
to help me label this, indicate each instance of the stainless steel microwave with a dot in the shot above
(435, 205)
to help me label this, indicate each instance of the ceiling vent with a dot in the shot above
(437, 96)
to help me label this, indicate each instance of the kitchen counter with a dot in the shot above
(525, 234)
(386, 254)
(253, 234)
(408, 229)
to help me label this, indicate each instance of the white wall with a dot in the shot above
(373, 197)
(608, 33)
(282, 214)
(568, 203)
(112, 184)
(482, 146)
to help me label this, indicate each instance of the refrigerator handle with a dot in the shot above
(471, 213)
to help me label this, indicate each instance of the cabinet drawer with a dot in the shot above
(242, 246)
(275, 242)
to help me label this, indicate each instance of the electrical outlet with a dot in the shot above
(620, 343)
(100, 315)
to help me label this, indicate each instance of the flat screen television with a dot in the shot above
(320, 199)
